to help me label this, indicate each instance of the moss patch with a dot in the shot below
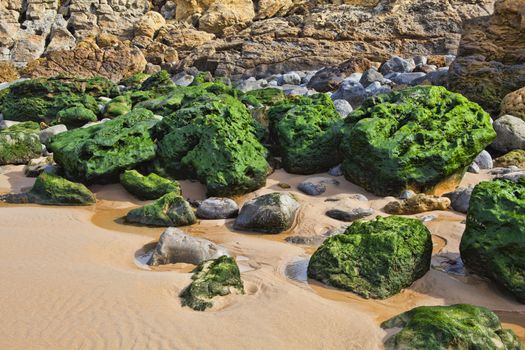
(147, 187)
(54, 190)
(20, 143)
(169, 210)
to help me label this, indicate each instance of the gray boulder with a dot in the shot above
(370, 76)
(292, 78)
(269, 213)
(397, 65)
(460, 198)
(405, 78)
(217, 208)
(315, 186)
(349, 215)
(510, 133)
(351, 91)
(343, 108)
(175, 246)
(47, 133)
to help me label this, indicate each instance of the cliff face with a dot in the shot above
(231, 37)
(491, 57)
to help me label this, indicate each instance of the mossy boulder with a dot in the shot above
(265, 97)
(375, 259)
(75, 117)
(120, 105)
(418, 139)
(101, 152)
(212, 139)
(135, 81)
(460, 326)
(151, 186)
(493, 244)
(307, 133)
(20, 143)
(515, 157)
(212, 278)
(42, 99)
(169, 210)
(50, 189)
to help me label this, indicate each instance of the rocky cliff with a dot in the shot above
(226, 37)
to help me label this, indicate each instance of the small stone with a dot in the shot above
(217, 208)
(343, 107)
(397, 65)
(484, 160)
(336, 170)
(283, 185)
(47, 133)
(460, 198)
(371, 76)
(316, 186)
(405, 78)
(349, 215)
(291, 78)
(473, 168)
(406, 194)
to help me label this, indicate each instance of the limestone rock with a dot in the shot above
(419, 203)
(514, 104)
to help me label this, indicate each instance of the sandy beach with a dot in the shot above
(72, 279)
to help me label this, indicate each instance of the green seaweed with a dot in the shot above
(147, 187)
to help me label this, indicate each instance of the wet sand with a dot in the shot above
(73, 279)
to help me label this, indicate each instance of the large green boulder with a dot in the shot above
(375, 259)
(99, 153)
(42, 99)
(493, 244)
(169, 210)
(212, 139)
(210, 279)
(460, 327)
(50, 189)
(151, 186)
(421, 138)
(75, 117)
(120, 105)
(307, 132)
(20, 143)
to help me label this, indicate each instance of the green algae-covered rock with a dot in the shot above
(515, 157)
(266, 97)
(375, 259)
(493, 244)
(307, 133)
(20, 143)
(101, 152)
(147, 187)
(120, 105)
(52, 189)
(218, 277)
(75, 117)
(169, 210)
(42, 99)
(460, 327)
(413, 139)
(134, 81)
(158, 80)
(212, 139)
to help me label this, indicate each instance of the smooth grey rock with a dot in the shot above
(295, 90)
(420, 60)
(405, 78)
(316, 186)
(349, 215)
(351, 91)
(47, 133)
(370, 76)
(473, 168)
(269, 213)
(343, 108)
(175, 246)
(39, 165)
(397, 65)
(484, 160)
(336, 170)
(427, 218)
(291, 78)
(376, 88)
(510, 132)
(217, 208)
(460, 198)
(183, 79)
(437, 78)
(305, 240)
(406, 194)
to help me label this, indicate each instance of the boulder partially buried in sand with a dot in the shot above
(217, 208)
(460, 326)
(420, 138)
(151, 186)
(375, 259)
(169, 210)
(212, 278)
(493, 244)
(269, 213)
(52, 189)
(175, 246)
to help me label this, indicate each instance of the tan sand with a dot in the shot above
(70, 280)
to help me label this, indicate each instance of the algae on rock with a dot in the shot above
(375, 259)
(307, 132)
(169, 210)
(414, 139)
(20, 143)
(99, 153)
(493, 244)
(218, 277)
(151, 186)
(460, 326)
